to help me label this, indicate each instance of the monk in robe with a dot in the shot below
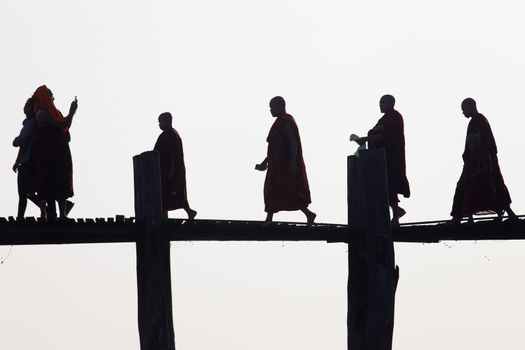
(52, 156)
(479, 125)
(286, 184)
(479, 195)
(172, 169)
(389, 133)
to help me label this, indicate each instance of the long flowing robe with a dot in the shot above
(172, 170)
(50, 151)
(480, 125)
(479, 195)
(394, 143)
(284, 190)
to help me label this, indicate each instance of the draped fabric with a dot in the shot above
(479, 125)
(53, 165)
(172, 170)
(394, 143)
(284, 189)
(479, 193)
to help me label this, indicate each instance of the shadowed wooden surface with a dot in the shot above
(120, 229)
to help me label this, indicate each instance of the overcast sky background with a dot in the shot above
(215, 65)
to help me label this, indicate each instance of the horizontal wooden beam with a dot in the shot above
(70, 232)
(479, 231)
(221, 230)
(121, 230)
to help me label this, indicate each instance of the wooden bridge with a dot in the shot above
(373, 274)
(122, 229)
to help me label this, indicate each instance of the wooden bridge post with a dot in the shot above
(372, 273)
(153, 258)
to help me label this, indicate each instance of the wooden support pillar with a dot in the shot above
(372, 273)
(153, 258)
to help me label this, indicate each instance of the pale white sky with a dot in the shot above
(215, 65)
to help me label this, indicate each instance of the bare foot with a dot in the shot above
(400, 212)
(455, 221)
(310, 218)
(69, 206)
(512, 216)
(394, 222)
(191, 214)
(269, 218)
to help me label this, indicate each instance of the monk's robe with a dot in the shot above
(172, 170)
(479, 195)
(394, 143)
(284, 190)
(480, 125)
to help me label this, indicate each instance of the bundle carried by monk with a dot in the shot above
(354, 138)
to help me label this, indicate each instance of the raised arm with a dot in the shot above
(43, 117)
(72, 110)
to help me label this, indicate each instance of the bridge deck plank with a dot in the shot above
(121, 230)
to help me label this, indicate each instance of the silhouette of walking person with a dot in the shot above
(53, 162)
(479, 125)
(477, 181)
(172, 169)
(24, 162)
(286, 183)
(389, 133)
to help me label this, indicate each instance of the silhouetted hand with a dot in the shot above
(15, 167)
(73, 107)
(261, 167)
(17, 142)
(361, 141)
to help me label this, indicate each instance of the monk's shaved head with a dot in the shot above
(389, 99)
(165, 121)
(277, 106)
(469, 102)
(278, 102)
(387, 103)
(469, 107)
(166, 116)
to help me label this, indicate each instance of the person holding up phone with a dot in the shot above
(53, 162)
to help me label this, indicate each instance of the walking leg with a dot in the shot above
(310, 215)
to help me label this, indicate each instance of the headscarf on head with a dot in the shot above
(42, 99)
